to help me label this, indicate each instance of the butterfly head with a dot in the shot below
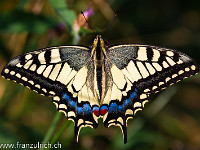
(97, 39)
(98, 45)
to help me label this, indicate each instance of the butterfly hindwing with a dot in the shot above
(122, 99)
(78, 100)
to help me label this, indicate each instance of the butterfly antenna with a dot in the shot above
(111, 23)
(114, 18)
(88, 23)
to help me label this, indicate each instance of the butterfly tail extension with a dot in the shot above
(138, 103)
(120, 111)
(124, 130)
(76, 132)
(63, 106)
(80, 113)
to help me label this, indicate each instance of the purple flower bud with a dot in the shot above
(80, 21)
(88, 12)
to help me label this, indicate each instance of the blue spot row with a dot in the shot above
(87, 109)
(133, 95)
(72, 104)
(80, 110)
(66, 97)
(120, 108)
(127, 102)
(114, 107)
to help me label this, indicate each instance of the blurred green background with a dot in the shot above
(170, 121)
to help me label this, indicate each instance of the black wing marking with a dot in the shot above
(47, 71)
(135, 72)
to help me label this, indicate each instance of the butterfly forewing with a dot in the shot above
(152, 68)
(49, 70)
(78, 99)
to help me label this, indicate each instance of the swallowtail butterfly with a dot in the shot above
(112, 82)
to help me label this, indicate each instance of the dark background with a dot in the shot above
(170, 121)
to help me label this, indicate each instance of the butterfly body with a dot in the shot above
(111, 82)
